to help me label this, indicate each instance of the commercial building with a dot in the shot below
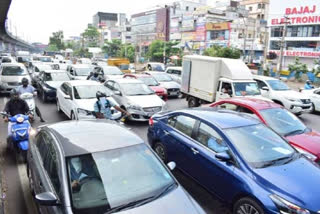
(302, 38)
(108, 20)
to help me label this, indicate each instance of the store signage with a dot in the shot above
(217, 26)
(310, 54)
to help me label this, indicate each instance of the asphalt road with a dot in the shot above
(15, 182)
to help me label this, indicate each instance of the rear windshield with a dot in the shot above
(13, 71)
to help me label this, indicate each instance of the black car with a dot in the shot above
(49, 81)
(83, 167)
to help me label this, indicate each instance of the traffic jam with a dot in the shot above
(239, 137)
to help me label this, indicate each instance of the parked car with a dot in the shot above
(76, 99)
(238, 159)
(314, 96)
(79, 71)
(79, 167)
(45, 59)
(11, 75)
(110, 72)
(280, 93)
(49, 81)
(175, 73)
(136, 97)
(166, 81)
(302, 138)
(155, 66)
(152, 83)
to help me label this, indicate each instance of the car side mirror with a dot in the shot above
(67, 97)
(117, 93)
(172, 165)
(223, 156)
(47, 199)
(265, 88)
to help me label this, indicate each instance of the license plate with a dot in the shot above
(173, 93)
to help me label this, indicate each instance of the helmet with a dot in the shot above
(100, 94)
(308, 82)
(25, 81)
(14, 93)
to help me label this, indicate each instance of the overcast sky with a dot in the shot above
(37, 19)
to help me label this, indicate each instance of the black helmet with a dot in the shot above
(14, 92)
(25, 81)
(100, 94)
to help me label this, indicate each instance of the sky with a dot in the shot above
(35, 20)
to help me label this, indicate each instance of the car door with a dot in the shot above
(315, 98)
(120, 98)
(48, 171)
(69, 100)
(65, 98)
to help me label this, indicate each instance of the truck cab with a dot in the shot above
(121, 63)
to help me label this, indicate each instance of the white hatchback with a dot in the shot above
(77, 98)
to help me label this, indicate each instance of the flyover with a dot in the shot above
(8, 42)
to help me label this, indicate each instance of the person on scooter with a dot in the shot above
(94, 76)
(15, 106)
(308, 85)
(27, 88)
(102, 108)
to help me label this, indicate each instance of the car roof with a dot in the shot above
(263, 77)
(81, 65)
(54, 71)
(222, 119)
(127, 80)
(175, 68)
(257, 104)
(90, 136)
(83, 82)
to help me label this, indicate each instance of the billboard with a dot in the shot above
(162, 24)
(299, 12)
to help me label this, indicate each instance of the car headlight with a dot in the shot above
(83, 112)
(305, 153)
(134, 107)
(286, 207)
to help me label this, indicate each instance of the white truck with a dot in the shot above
(209, 79)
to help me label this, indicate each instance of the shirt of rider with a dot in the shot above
(103, 109)
(28, 89)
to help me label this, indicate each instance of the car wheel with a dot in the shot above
(313, 109)
(58, 106)
(161, 151)
(73, 117)
(247, 206)
(44, 97)
(193, 102)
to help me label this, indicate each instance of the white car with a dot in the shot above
(85, 61)
(166, 81)
(175, 73)
(314, 95)
(77, 98)
(11, 75)
(79, 71)
(111, 72)
(277, 91)
(136, 97)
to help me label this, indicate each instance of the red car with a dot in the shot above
(152, 83)
(305, 140)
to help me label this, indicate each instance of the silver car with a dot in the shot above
(11, 75)
(167, 82)
(136, 97)
(175, 73)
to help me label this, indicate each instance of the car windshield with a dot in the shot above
(283, 122)
(124, 67)
(112, 71)
(45, 59)
(23, 59)
(89, 91)
(13, 71)
(157, 67)
(85, 61)
(56, 77)
(134, 89)
(83, 71)
(6, 60)
(162, 77)
(116, 179)
(149, 81)
(278, 85)
(246, 88)
(259, 145)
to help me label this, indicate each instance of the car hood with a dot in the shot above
(146, 101)
(88, 104)
(54, 84)
(14, 78)
(112, 77)
(171, 84)
(175, 202)
(308, 141)
(80, 77)
(298, 180)
(158, 89)
(292, 94)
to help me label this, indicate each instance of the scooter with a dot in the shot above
(20, 131)
(29, 98)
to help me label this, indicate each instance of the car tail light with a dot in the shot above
(151, 121)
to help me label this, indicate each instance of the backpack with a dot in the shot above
(106, 106)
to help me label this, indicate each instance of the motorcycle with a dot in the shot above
(29, 98)
(20, 132)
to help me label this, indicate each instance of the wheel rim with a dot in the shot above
(160, 151)
(247, 209)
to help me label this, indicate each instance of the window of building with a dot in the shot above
(276, 32)
(262, 16)
(259, 6)
(250, 8)
(258, 16)
(263, 6)
(187, 8)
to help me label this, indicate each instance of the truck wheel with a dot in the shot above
(193, 102)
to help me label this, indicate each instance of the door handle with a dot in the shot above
(195, 151)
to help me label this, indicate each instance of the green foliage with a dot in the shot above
(82, 52)
(112, 48)
(298, 67)
(52, 47)
(91, 35)
(155, 51)
(225, 52)
(56, 40)
(127, 51)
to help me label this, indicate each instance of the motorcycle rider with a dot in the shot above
(96, 75)
(26, 88)
(102, 108)
(15, 106)
(308, 85)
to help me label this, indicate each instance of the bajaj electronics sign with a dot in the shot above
(300, 12)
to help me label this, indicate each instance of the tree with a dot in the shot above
(56, 40)
(112, 48)
(225, 52)
(155, 51)
(128, 51)
(52, 48)
(298, 68)
(91, 36)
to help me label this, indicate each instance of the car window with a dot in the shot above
(183, 123)
(116, 87)
(42, 147)
(317, 92)
(261, 84)
(64, 88)
(245, 110)
(109, 85)
(176, 72)
(169, 71)
(226, 88)
(227, 106)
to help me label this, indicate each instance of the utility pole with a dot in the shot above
(253, 40)
(245, 29)
(282, 45)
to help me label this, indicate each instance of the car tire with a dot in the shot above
(44, 97)
(58, 106)
(73, 116)
(313, 109)
(161, 151)
(193, 102)
(247, 206)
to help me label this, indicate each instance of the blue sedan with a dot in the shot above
(237, 159)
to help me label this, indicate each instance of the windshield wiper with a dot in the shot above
(164, 191)
(130, 204)
(295, 132)
(274, 162)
